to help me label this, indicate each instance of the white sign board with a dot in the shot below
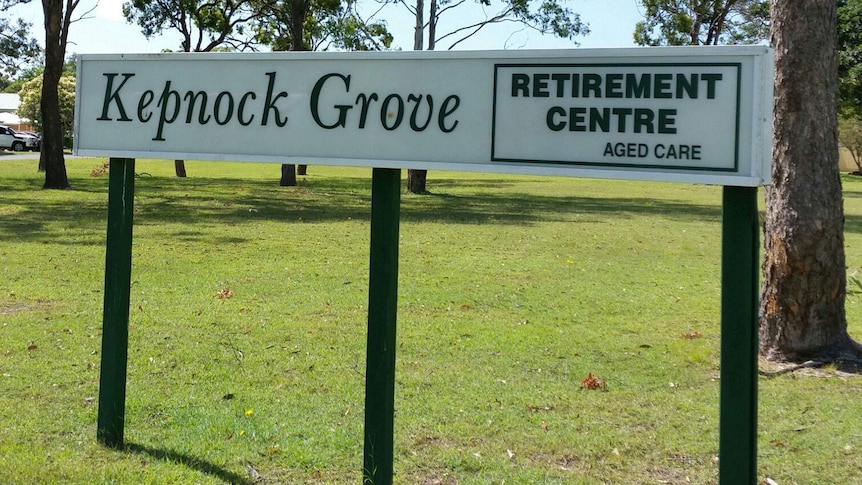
(700, 114)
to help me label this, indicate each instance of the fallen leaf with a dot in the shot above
(593, 383)
(510, 453)
(544, 426)
(32, 347)
(691, 335)
(225, 293)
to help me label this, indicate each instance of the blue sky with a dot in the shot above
(611, 23)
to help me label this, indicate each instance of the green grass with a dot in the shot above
(512, 289)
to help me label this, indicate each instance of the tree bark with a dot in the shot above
(804, 277)
(416, 179)
(56, 32)
(298, 13)
(288, 175)
(180, 168)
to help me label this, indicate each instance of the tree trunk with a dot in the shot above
(416, 178)
(416, 181)
(180, 168)
(804, 278)
(288, 175)
(419, 28)
(51, 157)
(298, 13)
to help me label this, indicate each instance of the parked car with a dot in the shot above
(18, 142)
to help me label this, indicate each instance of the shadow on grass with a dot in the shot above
(188, 461)
(202, 200)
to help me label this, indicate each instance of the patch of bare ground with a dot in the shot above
(835, 369)
(664, 475)
(434, 478)
(566, 463)
(9, 308)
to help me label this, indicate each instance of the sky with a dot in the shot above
(106, 31)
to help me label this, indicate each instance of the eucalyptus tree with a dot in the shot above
(241, 25)
(58, 21)
(804, 275)
(693, 22)
(548, 17)
(203, 25)
(318, 25)
(18, 49)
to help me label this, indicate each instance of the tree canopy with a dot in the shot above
(549, 17)
(850, 57)
(327, 24)
(31, 102)
(18, 50)
(203, 24)
(691, 22)
(850, 135)
(546, 17)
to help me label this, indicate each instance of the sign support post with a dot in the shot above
(631, 114)
(739, 337)
(382, 315)
(115, 320)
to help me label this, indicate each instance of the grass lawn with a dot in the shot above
(512, 290)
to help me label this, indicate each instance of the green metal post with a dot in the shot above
(382, 309)
(115, 321)
(739, 337)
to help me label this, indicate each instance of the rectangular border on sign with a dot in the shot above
(734, 169)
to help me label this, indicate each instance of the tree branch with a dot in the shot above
(500, 17)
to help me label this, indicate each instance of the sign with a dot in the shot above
(700, 114)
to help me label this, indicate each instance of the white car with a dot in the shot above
(17, 142)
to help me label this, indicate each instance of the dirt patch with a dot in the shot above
(841, 369)
(10, 308)
(437, 479)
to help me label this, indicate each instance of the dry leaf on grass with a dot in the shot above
(593, 383)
